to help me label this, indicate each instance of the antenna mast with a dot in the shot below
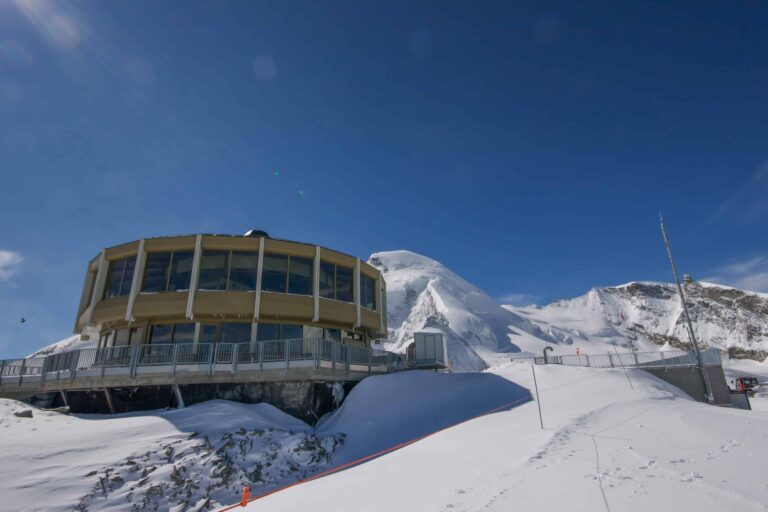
(691, 334)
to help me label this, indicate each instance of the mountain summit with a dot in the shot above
(422, 294)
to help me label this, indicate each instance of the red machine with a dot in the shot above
(744, 384)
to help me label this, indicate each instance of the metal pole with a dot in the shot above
(622, 366)
(691, 335)
(538, 402)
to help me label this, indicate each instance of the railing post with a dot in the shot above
(370, 360)
(42, 370)
(287, 354)
(334, 351)
(261, 356)
(21, 370)
(349, 359)
(103, 359)
(235, 350)
(175, 358)
(663, 360)
(318, 352)
(2, 371)
(587, 357)
(211, 357)
(610, 359)
(135, 352)
(73, 367)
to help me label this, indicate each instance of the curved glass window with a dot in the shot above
(120, 277)
(275, 273)
(183, 333)
(243, 271)
(367, 292)
(156, 272)
(181, 271)
(213, 270)
(268, 332)
(344, 283)
(167, 271)
(327, 280)
(235, 332)
(300, 276)
(335, 282)
(160, 334)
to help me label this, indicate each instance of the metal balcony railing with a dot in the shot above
(635, 359)
(204, 358)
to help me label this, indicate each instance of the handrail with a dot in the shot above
(635, 359)
(203, 357)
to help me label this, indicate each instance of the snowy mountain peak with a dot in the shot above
(645, 315)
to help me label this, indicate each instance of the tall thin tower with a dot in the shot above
(691, 334)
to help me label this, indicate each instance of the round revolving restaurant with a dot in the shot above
(229, 289)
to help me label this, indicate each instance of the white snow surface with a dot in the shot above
(422, 294)
(75, 342)
(605, 447)
(189, 459)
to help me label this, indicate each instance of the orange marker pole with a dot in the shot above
(246, 496)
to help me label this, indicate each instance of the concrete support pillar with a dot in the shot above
(179, 398)
(64, 398)
(254, 335)
(257, 301)
(316, 286)
(379, 305)
(101, 280)
(111, 405)
(138, 274)
(194, 279)
(356, 293)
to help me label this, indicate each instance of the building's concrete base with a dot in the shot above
(307, 401)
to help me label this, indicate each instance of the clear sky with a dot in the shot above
(528, 147)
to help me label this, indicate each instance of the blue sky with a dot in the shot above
(528, 147)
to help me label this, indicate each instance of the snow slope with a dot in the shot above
(606, 446)
(200, 457)
(422, 294)
(189, 459)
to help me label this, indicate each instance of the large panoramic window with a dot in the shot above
(243, 272)
(183, 333)
(120, 277)
(171, 333)
(272, 332)
(208, 333)
(327, 280)
(367, 292)
(213, 270)
(274, 274)
(268, 332)
(160, 334)
(236, 332)
(300, 276)
(343, 283)
(156, 272)
(167, 271)
(181, 271)
(335, 282)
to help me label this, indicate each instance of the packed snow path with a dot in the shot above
(605, 446)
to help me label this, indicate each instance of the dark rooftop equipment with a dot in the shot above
(256, 233)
